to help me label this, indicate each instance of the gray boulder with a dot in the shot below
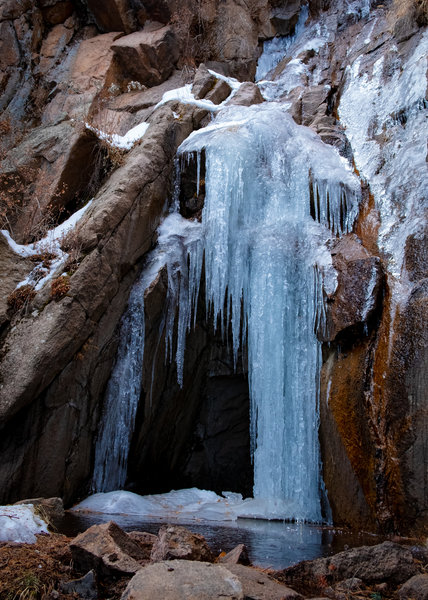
(387, 562)
(84, 588)
(416, 588)
(259, 586)
(184, 580)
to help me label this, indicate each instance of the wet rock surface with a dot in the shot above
(359, 286)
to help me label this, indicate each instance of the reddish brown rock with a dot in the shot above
(13, 9)
(93, 63)
(9, 48)
(115, 15)
(147, 56)
(144, 540)
(247, 95)
(107, 549)
(58, 13)
(360, 280)
(179, 543)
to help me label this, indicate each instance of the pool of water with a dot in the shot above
(271, 544)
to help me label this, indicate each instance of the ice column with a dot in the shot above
(274, 195)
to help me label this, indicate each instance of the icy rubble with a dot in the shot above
(184, 505)
(19, 523)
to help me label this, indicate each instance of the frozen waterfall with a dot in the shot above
(275, 194)
(121, 401)
(175, 237)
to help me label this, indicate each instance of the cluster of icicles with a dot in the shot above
(274, 196)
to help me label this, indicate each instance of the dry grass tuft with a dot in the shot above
(59, 287)
(21, 298)
(406, 15)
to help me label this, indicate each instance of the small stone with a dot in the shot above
(85, 587)
(247, 95)
(239, 555)
(203, 82)
(220, 92)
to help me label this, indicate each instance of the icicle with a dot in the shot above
(198, 171)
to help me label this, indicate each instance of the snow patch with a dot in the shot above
(19, 523)
(50, 243)
(184, 95)
(123, 142)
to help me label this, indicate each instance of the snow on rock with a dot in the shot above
(50, 243)
(123, 142)
(19, 523)
(185, 95)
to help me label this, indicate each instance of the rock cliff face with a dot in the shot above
(72, 77)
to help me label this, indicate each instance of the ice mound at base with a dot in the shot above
(19, 523)
(189, 504)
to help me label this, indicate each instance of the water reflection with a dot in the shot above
(270, 543)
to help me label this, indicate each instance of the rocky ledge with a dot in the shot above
(106, 562)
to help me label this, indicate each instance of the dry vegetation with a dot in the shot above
(405, 15)
(27, 571)
(59, 287)
(21, 298)
(36, 571)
